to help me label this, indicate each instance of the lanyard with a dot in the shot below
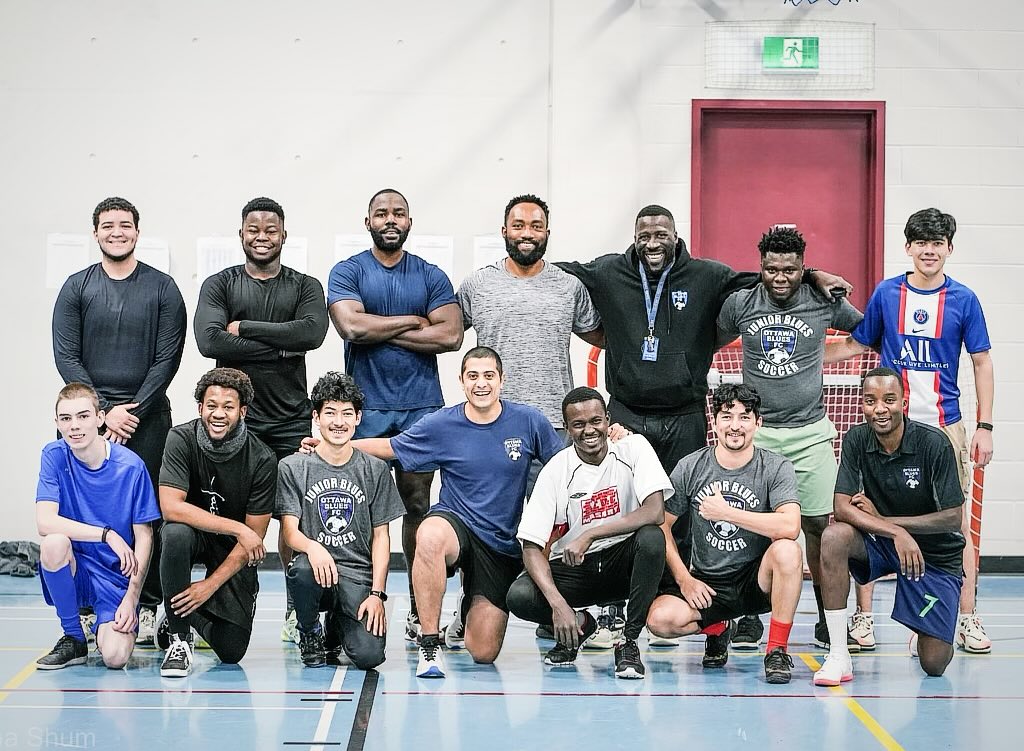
(652, 308)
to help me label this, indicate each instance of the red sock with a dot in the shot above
(715, 629)
(778, 635)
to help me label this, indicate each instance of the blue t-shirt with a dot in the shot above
(118, 494)
(392, 377)
(920, 334)
(484, 468)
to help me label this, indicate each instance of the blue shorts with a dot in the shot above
(928, 606)
(387, 423)
(96, 588)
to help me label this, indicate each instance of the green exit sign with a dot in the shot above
(790, 53)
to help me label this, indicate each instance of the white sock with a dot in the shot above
(836, 622)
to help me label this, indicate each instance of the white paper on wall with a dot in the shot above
(295, 253)
(65, 255)
(436, 249)
(154, 251)
(346, 246)
(488, 249)
(215, 254)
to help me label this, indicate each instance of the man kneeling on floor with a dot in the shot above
(94, 505)
(898, 506)
(745, 518)
(335, 505)
(599, 506)
(217, 487)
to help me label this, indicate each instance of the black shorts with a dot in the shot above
(735, 595)
(486, 572)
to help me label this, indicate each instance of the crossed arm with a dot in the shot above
(440, 331)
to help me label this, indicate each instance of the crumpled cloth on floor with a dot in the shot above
(19, 558)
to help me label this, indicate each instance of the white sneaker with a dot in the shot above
(147, 627)
(431, 664)
(971, 637)
(912, 644)
(454, 634)
(290, 628)
(178, 659)
(661, 641)
(88, 624)
(610, 624)
(412, 627)
(834, 671)
(862, 630)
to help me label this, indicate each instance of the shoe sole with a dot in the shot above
(431, 673)
(712, 664)
(69, 663)
(778, 679)
(745, 646)
(664, 644)
(174, 673)
(315, 664)
(557, 665)
(975, 650)
(592, 646)
(629, 674)
(830, 682)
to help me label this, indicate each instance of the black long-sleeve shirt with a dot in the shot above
(123, 337)
(280, 319)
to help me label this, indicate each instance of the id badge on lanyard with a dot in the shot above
(649, 346)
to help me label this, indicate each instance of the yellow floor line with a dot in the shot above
(21, 677)
(880, 733)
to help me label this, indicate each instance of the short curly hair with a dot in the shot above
(226, 378)
(782, 240)
(336, 387)
(114, 203)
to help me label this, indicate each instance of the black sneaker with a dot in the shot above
(332, 638)
(822, 640)
(778, 666)
(311, 646)
(178, 658)
(67, 651)
(544, 632)
(162, 636)
(749, 631)
(562, 656)
(627, 660)
(716, 648)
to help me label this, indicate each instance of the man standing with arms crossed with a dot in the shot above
(921, 320)
(396, 313)
(119, 326)
(262, 318)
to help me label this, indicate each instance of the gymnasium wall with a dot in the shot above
(190, 108)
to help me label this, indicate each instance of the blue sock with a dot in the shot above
(61, 586)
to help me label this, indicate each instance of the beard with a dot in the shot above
(261, 263)
(128, 253)
(388, 246)
(526, 259)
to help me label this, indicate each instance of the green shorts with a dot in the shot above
(810, 450)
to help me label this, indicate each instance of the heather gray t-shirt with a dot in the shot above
(529, 322)
(721, 549)
(338, 507)
(784, 349)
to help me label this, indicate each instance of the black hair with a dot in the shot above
(226, 378)
(385, 191)
(527, 198)
(114, 203)
(882, 372)
(336, 387)
(263, 204)
(654, 210)
(728, 393)
(782, 240)
(484, 352)
(583, 394)
(929, 224)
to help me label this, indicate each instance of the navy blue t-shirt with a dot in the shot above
(392, 377)
(484, 468)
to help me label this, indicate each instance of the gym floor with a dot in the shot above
(270, 701)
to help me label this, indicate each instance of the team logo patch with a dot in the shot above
(727, 530)
(920, 316)
(336, 509)
(778, 343)
(601, 505)
(680, 298)
(913, 476)
(514, 448)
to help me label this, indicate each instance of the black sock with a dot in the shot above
(821, 605)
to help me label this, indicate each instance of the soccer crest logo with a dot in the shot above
(778, 343)
(514, 448)
(726, 530)
(335, 510)
(920, 316)
(680, 298)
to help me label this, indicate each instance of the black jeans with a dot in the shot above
(630, 569)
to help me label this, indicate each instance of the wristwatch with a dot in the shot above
(382, 595)
(985, 426)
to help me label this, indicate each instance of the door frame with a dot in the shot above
(875, 114)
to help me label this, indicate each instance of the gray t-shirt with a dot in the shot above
(338, 507)
(721, 549)
(529, 322)
(784, 349)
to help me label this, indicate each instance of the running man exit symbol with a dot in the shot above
(790, 53)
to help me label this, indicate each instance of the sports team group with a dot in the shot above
(554, 504)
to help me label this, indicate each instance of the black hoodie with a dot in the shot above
(685, 325)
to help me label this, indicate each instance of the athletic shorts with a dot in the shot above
(957, 435)
(486, 572)
(736, 594)
(284, 438)
(810, 450)
(96, 588)
(387, 423)
(928, 606)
